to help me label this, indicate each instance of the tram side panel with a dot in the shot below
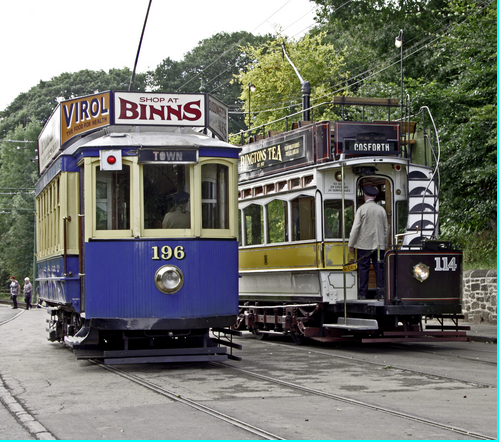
(57, 240)
(120, 283)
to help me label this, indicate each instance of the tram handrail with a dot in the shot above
(390, 103)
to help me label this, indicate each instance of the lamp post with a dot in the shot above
(251, 88)
(399, 44)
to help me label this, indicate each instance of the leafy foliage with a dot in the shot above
(39, 102)
(210, 67)
(19, 173)
(278, 88)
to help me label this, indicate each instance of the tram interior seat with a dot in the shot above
(298, 124)
(273, 133)
(254, 138)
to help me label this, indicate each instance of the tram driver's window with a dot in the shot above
(215, 196)
(253, 223)
(166, 196)
(401, 216)
(113, 199)
(277, 215)
(333, 218)
(303, 218)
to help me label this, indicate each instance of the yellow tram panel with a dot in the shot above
(286, 256)
(333, 255)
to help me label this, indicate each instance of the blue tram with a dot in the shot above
(299, 191)
(137, 227)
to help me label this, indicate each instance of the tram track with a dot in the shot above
(355, 402)
(190, 403)
(478, 361)
(310, 391)
(395, 367)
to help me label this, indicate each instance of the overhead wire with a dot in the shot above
(234, 45)
(238, 44)
(376, 70)
(408, 54)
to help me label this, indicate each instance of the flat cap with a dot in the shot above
(370, 191)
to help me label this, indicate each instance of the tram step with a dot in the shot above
(354, 324)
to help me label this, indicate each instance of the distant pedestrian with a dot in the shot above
(14, 290)
(27, 292)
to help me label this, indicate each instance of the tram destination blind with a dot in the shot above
(367, 138)
(276, 154)
(165, 156)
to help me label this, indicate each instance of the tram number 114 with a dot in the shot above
(166, 253)
(442, 264)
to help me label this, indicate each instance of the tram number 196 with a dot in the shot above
(166, 253)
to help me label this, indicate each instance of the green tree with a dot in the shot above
(210, 67)
(278, 88)
(18, 175)
(39, 102)
(366, 29)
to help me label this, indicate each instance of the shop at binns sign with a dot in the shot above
(75, 117)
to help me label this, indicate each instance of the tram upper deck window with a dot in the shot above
(277, 216)
(303, 213)
(166, 196)
(333, 218)
(113, 199)
(253, 224)
(215, 196)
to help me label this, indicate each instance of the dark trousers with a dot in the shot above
(14, 300)
(27, 300)
(363, 264)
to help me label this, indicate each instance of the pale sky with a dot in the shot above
(41, 39)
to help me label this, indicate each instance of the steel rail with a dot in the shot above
(193, 404)
(395, 367)
(360, 403)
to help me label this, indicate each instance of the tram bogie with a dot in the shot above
(137, 228)
(298, 195)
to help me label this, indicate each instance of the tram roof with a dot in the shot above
(123, 136)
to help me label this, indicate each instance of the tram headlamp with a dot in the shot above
(169, 279)
(421, 272)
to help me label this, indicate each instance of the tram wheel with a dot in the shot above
(258, 335)
(298, 338)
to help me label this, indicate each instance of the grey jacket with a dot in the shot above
(370, 227)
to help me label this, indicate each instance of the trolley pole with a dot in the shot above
(344, 241)
(305, 88)
(130, 87)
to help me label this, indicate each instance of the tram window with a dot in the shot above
(215, 196)
(333, 219)
(253, 217)
(303, 212)
(166, 196)
(277, 216)
(401, 216)
(113, 199)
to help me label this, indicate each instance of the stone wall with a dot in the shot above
(480, 296)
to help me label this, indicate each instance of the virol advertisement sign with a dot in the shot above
(84, 114)
(148, 108)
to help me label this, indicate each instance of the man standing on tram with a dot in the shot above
(370, 230)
